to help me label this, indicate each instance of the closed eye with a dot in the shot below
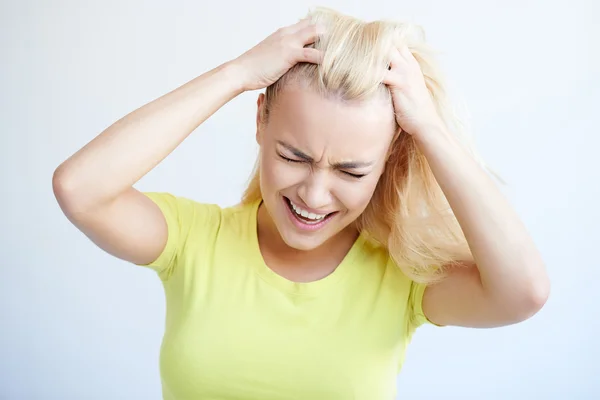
(356, 176)
(289, 159)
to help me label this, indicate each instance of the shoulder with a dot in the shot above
(189, 222)
(195, 217)
(376, 267)
(405, 292)
(379, 262)
(170, 202)
(399, 297)
(194, 228)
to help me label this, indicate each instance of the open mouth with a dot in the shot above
(307, 220)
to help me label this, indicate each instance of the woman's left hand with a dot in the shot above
(413, 105)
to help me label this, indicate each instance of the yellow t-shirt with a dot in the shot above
(237, 330)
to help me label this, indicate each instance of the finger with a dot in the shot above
(406, 54)
(310, 34)
(390, 78)
(309, 55)
(298, 26)
(291, 29)
(396, 60)
(393, 75)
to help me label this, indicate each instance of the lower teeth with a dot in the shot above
(305, 219)
(308, 219)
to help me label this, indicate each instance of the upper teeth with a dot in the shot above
(307, 214)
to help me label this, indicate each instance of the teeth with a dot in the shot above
(306, 214)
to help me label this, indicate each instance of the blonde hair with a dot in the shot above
(408, 213)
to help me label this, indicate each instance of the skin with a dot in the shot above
(303, 143)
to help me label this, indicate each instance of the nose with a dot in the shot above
(315, 190)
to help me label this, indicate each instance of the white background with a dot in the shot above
(76, 323)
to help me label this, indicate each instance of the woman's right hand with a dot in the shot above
(266, 62)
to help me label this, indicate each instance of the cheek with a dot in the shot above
(355, 197)
(277, 175)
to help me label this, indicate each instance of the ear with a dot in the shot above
(260, 105)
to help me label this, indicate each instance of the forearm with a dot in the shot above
(127, 150)
(510, 266)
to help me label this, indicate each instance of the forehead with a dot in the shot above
(330, 127)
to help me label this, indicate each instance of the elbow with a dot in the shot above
(534, 297)
(522, 298)
(60, 184)
(539, 294)
(64, 190)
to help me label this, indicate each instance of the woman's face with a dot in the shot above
(320, 162)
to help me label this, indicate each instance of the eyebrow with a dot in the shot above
(339, 165)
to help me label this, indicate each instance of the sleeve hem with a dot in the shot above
(419, 316)
(165, 259)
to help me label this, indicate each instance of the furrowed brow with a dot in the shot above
(295, 151)
(338, 165)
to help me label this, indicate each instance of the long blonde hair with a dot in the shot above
(408, 213)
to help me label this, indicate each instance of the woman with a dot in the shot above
(365, 219)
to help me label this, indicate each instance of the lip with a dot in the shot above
(301, 225)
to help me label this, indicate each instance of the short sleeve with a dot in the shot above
(417, 316)
(182, 215)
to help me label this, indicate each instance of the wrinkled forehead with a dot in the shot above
(332, 127)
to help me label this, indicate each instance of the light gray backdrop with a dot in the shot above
(79, 324)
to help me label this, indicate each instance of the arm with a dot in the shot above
(509, 283)
(94, 186)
